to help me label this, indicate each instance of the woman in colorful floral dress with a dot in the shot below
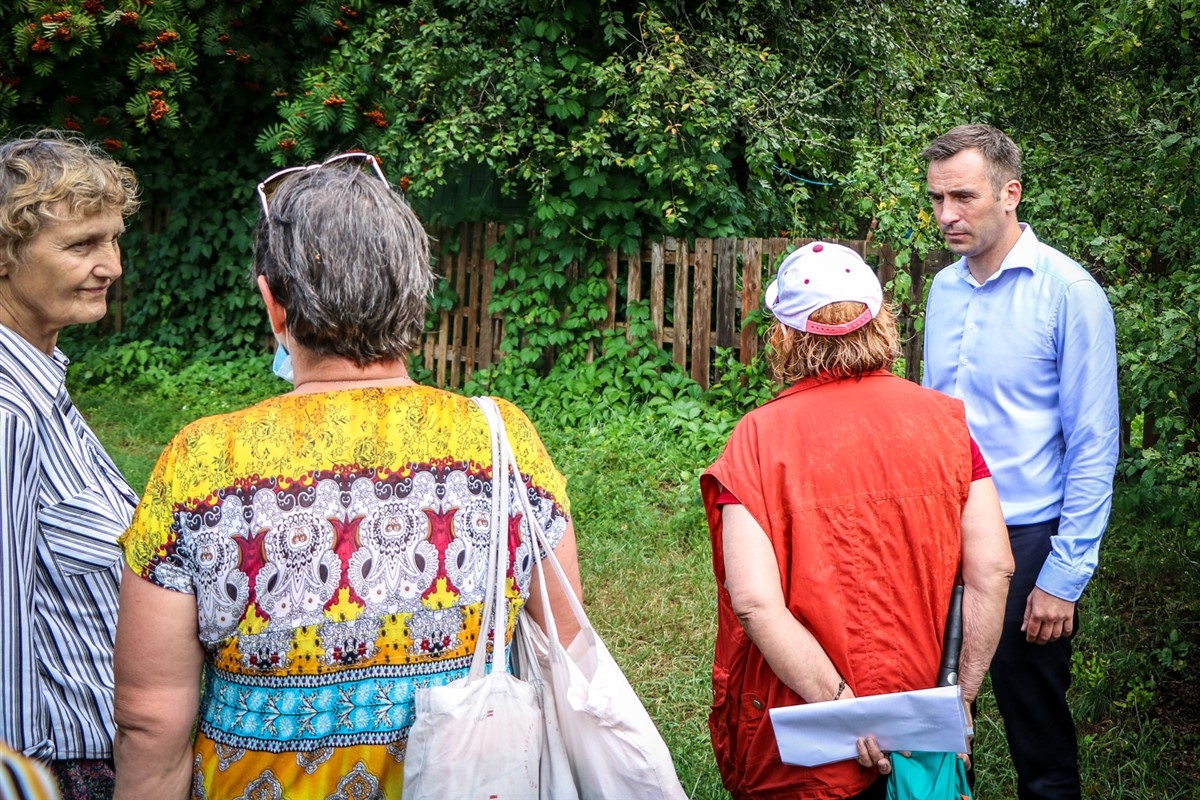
(297, 569)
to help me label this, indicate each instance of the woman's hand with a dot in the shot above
(871, 757)
(966, 757)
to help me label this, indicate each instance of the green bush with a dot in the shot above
(198, 383)
(1158, 328)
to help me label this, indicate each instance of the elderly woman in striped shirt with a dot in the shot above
(63, 503)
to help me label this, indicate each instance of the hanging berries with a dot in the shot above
(158, 107)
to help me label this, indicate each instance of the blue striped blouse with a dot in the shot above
(63, 503)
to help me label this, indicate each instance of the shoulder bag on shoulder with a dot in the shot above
(597, 730)
(481, 736)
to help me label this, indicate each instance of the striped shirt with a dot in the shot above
(22, 779)
(63, 503)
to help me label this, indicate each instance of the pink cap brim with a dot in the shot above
(842, 328)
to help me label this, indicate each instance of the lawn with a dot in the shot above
(649, 590)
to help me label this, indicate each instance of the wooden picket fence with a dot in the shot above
(701, 297)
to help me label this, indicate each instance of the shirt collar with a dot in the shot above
(31, 367)
(1023, 255)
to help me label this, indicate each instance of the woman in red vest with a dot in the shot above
(841, 514)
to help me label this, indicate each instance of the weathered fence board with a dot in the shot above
(725, 297)
(751, 292)
(702, 312)
(680, 306)
(610, 301)
(489, 333)
(658, 288)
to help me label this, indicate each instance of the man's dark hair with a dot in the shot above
(1001, 153)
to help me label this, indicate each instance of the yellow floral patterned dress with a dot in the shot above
(336, 545)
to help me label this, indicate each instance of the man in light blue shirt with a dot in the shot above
(1025, 337)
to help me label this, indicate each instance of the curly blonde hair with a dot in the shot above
(795, 355)
(51, 177)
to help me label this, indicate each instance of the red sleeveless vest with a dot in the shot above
(860, 486)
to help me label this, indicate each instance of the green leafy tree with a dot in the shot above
(176, 88)
(1110, 88)
(591, 125)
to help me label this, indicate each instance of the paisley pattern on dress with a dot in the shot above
(337, 548)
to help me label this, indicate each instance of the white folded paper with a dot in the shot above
(927, 720)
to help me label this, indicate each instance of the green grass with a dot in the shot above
(649, 590)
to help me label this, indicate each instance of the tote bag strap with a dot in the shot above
(539, 545)
(495, 604)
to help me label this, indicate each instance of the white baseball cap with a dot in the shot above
(817, 275)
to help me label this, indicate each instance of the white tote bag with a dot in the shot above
(612, 747)
(557, 777)
(480, 736)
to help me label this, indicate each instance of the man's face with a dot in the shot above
(974, 221)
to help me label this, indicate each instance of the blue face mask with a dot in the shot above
(282, 365)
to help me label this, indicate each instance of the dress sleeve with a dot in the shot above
(727, 498)
(149, 543)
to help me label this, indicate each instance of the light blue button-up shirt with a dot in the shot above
(1032, 353)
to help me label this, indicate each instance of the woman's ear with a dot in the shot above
(275, 311)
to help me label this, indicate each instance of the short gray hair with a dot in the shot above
(349, 261)
(1001, 153)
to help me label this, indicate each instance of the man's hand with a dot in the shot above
(1047, 618)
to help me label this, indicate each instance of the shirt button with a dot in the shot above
(758, 704)
(970, 326)
(963, 361)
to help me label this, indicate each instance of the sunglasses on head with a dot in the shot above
(266, 187)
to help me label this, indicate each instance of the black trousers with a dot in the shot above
(1030, 682)
(876, 791)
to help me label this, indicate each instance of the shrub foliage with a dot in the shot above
(590, 125)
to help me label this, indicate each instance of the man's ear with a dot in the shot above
(275, 310)
(1011, 195)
